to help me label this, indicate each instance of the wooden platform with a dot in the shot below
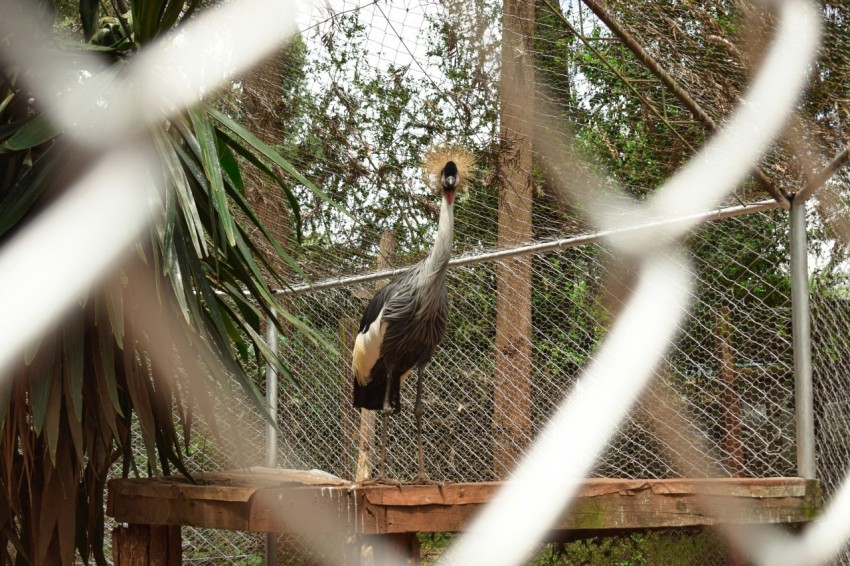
(265, 500)
(251, 501)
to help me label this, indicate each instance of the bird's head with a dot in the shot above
(449, 170)
(449, 179)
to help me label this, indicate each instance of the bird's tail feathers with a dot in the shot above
(371, 395)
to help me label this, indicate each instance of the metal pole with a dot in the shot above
(271, 429)
(801, 333)
(542, 247)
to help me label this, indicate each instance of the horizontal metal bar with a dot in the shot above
(541, 247)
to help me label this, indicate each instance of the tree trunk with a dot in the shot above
(512, 393)
(733, 445)
(262, 104)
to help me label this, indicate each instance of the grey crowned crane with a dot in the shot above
(406, 320)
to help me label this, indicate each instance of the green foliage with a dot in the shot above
(67, 415)
(747, 260)
(684, 547)
(360, 132)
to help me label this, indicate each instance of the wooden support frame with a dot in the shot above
(251, 501)
(147, 545)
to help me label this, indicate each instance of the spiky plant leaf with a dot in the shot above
(189, 301)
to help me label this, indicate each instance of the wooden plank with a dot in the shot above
(743, 487)
(304, 510)
(682, 506)
(230, 515)
(474, 493)
(170, 489)
(449, 494)
(222, 486)
(130, 545)
(600, 504)
(166, 547)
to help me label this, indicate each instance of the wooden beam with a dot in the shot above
(604, 504)
(600, 505)
(147, 545)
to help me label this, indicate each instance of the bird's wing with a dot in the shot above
(367, 345)
(373, 309)
(369, 342)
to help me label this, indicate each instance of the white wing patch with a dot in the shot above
(367, 349)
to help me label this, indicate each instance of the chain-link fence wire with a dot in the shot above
(830, 327)
(732, 365)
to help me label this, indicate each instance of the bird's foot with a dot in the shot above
(380, 480)
(422, 479)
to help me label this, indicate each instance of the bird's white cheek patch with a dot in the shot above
(367, 349)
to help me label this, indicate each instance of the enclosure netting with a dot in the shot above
(368, 87)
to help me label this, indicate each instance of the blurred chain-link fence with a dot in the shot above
(732, 365)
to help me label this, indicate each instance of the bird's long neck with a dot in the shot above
(437, 261)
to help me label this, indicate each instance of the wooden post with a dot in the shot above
(512, 388)
(733, 445)
(366, 444)
(366, 452)
(147, 545)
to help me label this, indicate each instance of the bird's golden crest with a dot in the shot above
(436, 159)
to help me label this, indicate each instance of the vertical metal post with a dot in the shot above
(801, 333)
(271, 430)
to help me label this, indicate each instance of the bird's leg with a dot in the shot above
(382, 475)
(385, 421)
(418, 411)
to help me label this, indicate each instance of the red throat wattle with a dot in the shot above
(450, 196)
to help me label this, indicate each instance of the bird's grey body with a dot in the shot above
(403, 324)
(414, 328)
(407, 320)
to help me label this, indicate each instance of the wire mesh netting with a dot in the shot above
(368, 87)
(732, 365)
(830, 327)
